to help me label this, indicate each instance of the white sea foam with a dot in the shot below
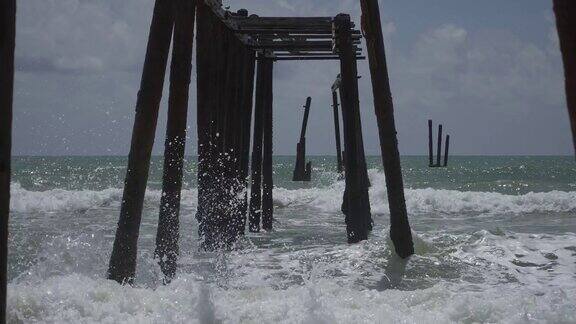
(246, 295)
(301, 272)
(78, 299)
(56, 200)
(327, 199)
(428, 200)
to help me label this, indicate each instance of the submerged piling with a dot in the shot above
(122, 267)
(206, 46)
(247, 104)
(256, 168)
(7, 45)
(301, 168)
(400, 232)
(168, 223)
(430, 145)
(335, 106)
(446, 149)
(222, 63)
(267, 167)
(356, 204)
(565, 12)
(439, 152)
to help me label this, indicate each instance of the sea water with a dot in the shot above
(495, 241)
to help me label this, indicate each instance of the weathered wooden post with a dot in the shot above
(446, 149)
(231, 132)
(356, 204)
(430, 145)
(205, 58)
(267, 161)
(211, 77)
(122, 267)
(7, 45)
(243, 115)
(217, 219)
(256, 168)
(565, 12)
(301, 168)
(335, 106)
(247, 104)
(439, 152)
(360, 154)
(399, 225)
(168, 224)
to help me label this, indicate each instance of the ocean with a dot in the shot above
(495, 241)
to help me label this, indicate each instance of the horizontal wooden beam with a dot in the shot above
(295, 45)
(216, 7)
(314, 58)
(312, 31)
(296, 34)
(315, 53)
(302, 36)
(276, 22)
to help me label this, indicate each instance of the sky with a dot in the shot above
(490, 71)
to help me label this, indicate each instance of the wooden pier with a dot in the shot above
(232, 48)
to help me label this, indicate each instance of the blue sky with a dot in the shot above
(490, 71)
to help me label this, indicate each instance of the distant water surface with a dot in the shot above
(495, 242)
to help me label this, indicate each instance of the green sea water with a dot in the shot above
(495, 242)
(503, 174)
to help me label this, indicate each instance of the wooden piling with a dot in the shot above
(243, 115)
(400, 232)
(301, 172)
(7, 45)
(206, 81)
(213, 58)
(430, 145)
(247, 103)
(565, 12)
(220, 192)
(256, 167)
(446, 149)
(356, 204)
(168, 224)
(216, 220)
(122, 267)
(267, 161)
(231, 177)
(305, 119)
(439, 152)
(337, 132)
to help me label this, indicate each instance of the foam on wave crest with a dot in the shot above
(327, 199)
(56, 200)
(429, 200)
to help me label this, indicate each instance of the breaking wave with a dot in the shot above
(57, 200)
(328, 199)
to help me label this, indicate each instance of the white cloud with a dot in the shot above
(488, 67)
(81, 36)
(466, 76)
